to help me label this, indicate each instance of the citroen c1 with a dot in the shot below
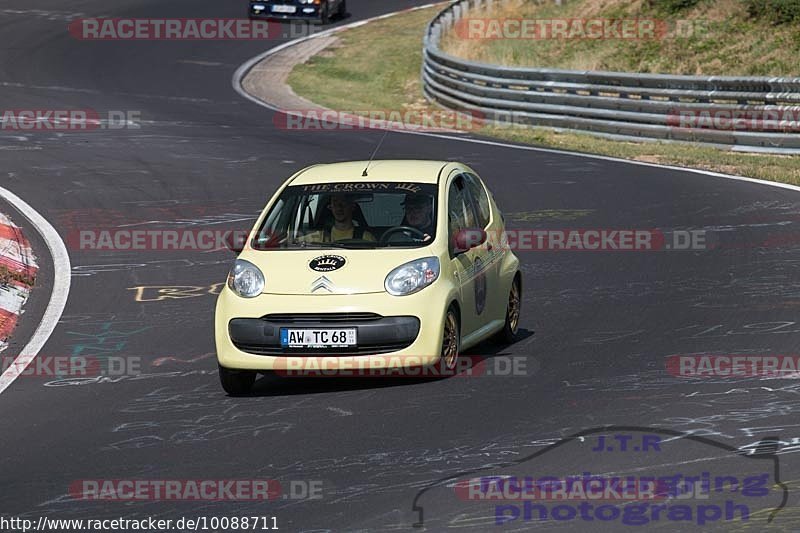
(385, 263)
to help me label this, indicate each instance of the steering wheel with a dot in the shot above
(401, 229)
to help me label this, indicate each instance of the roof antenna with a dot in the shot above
(385, 133)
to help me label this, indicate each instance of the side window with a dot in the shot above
(459, 212)
(480, 198)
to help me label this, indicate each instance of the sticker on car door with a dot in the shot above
(480, 285)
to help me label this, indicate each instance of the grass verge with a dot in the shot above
(377, 67)
(712, 38)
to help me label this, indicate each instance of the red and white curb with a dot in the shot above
(59, 293)
(18, 270)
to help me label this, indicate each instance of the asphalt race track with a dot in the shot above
(597, 327)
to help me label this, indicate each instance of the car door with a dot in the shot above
(460, 215)
(488, 299)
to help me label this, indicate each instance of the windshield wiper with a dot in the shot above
(341, 245)
(352, 245)
(365, 246)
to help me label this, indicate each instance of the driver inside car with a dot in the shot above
(419, 214)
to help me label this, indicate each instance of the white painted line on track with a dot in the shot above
(245, 67)
(58, 297)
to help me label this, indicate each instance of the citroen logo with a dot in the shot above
(322, 283)
(327, 263)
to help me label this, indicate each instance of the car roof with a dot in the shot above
(400, 170)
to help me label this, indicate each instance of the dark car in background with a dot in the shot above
(318, 10)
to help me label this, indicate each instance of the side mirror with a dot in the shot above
(235, 240)
(467, 239)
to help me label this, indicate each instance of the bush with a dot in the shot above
(672, 6)
(776, 11)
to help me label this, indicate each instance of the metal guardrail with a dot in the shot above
(613, 104)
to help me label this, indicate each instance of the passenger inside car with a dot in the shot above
(339, 224)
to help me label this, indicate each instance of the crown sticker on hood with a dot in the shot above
(327, 263)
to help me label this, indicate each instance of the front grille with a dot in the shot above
(317, 318)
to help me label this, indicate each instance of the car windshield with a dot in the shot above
(350, 215)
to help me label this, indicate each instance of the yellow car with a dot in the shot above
(378, 265)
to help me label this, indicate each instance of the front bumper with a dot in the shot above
(376, 334)
(393, 332)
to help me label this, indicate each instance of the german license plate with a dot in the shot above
(318, 338)
(284, 9)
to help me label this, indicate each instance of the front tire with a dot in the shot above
(342, 9)
(451, 339)
(236, 382)
(508, 334)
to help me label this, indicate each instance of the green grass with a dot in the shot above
(725, 39)
(377, 67)
(373, 67)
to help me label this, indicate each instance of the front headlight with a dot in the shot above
(245, 279)
(412, 277)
